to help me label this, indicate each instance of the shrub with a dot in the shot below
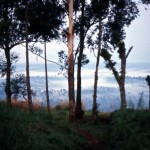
(129, 129)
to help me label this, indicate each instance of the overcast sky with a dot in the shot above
(137, 35)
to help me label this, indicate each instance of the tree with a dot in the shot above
(82, 25)
(100, 10)
(18, 86)
(10, 35)
(14, 57)
(119, 76)
(79, 111)
(30, 105)
(17, 81)
(71, 63)
(148, 83)
(116, 15)
(46, 78)
(44, 19)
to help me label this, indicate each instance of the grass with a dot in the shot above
(39, 130)
(129, 129)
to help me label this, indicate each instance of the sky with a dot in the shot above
(137, 35)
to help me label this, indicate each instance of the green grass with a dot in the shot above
(129, 130)
(38, 130)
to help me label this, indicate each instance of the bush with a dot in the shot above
(129, 129)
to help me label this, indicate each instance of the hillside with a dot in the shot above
(39, 130)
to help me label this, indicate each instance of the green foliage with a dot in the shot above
(36, 131)
(84, 60)
(129, 129)
(100, 8)
(121, 51)
(105, 54)
(14, 57)
(44, 17)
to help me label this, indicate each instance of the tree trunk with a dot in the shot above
(123, 73)
(46, 78)
(94, 109)
(79, 112)
(122, 96)
(71, 63)
(149, 97)
(8, 74)
(30, 105)
(7, 56)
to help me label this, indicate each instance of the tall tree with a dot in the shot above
(83, 22)
(71, 63)
(116, 15)
(46, 78)
(119, 76)
(50, 18)
(100, 9)
(30, 105)
(79, 111)
(148, 83)
(10, 35)
(44, 20)
(122, 14)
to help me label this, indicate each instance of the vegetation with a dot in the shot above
(99, 24)
(123, 129)
(37, 130)
(129, 129)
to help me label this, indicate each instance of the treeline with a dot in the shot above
(98, 26)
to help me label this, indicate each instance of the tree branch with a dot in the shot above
(129, 51)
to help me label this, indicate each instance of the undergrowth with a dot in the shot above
(37, 130)
(129, 130)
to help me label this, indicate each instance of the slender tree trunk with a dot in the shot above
(96, 72)
(7, 56)
(46, 78)
(8, 74)
(149, 97)
(79, 112)
(30, 105)
(122, 96)
(71, 63)
(123, 73)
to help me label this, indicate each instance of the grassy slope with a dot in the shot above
(37, 130)
(127, 130)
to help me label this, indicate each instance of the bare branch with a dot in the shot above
(129, 51)
(47, 59)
